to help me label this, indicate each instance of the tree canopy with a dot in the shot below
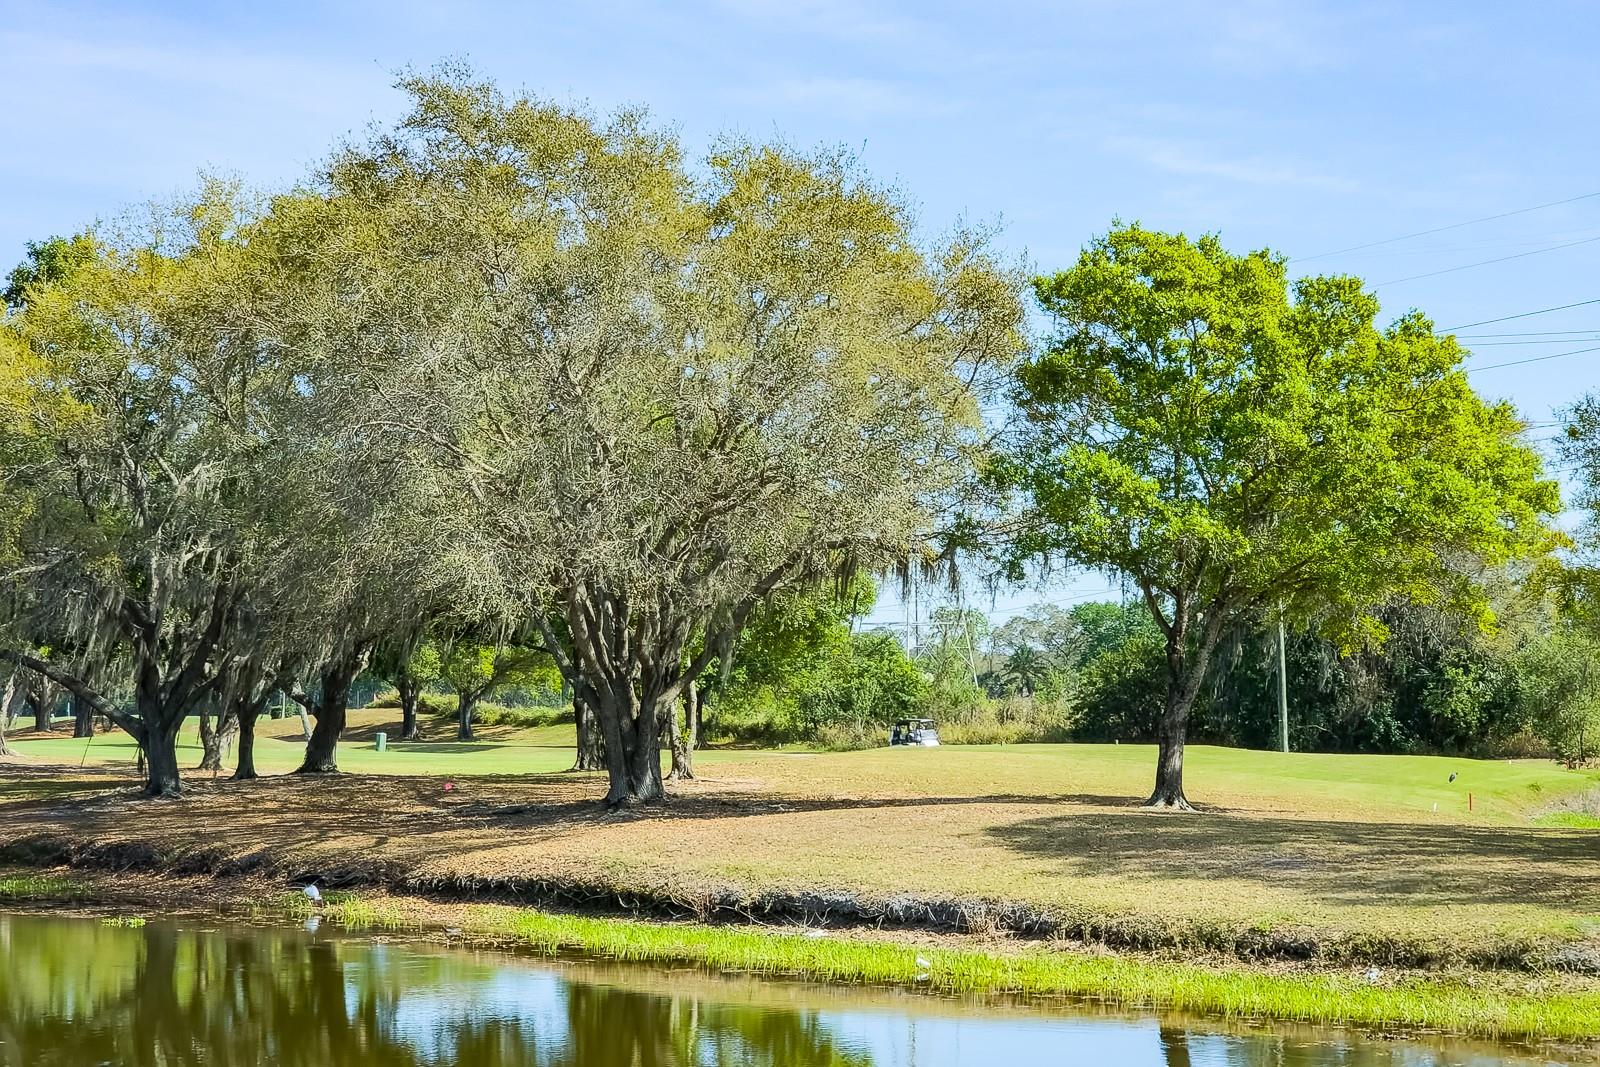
(649, 397)
(1237, 446)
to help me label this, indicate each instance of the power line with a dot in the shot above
(1486, 262)
(1442, 229)
(1593, 336)
(1533, 333)
(1533, 359)
(1523, 315)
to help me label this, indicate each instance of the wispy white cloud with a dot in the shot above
(853, 97)
(1177, 157)
(93, 55)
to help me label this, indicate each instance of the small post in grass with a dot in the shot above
(380, 739)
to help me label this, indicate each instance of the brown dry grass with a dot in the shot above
(955, 824)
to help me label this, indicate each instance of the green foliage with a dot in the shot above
(476, 668)
(1121, 689)
(1560, 676)
(1436, 685)
(846, 693)
(49, 262)
(1236, 446)
(419, 662)
(1231, 442)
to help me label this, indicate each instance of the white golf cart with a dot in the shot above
(916, 732)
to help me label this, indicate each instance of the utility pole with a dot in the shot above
(914, 624)
(972, 652)
(1283, 688)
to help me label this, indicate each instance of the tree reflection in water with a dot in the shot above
(74, 992)
(80, 993)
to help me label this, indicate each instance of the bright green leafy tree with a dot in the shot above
(1236, 445)
(476, 669)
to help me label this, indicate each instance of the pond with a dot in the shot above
(74, 991)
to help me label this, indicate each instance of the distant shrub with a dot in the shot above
(521, 718)
(851, 736)
(443, 706)
(1009, 721)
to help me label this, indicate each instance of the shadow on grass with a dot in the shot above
(1343, 862)
(401, 822)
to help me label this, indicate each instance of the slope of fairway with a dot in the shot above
(1355, 787)
(1367, 850)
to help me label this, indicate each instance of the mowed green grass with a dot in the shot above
(1340, 786)
(541, 752)
(280, 746)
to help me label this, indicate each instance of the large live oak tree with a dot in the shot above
(138, 465)
(186, 536)
(1237, 446)
(651, 395)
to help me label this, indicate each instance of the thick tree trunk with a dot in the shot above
(1170, 736)
(681, 738)
(644, 761)
(245, 768)
(215, 737)
(82, 719)
(7, 697)
(697, 712)
(331, 708)
(322, 747)
(43, 710)
(591, 741)
(466, 704)
(632, 749)
(1186, 671)
(161, 760)
(210, 744)
(614, 712)
(409, 692)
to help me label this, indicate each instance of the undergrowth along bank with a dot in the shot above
(1546, 1008)
(1246, 941)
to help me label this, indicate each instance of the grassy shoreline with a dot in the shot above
(1482, 1004)
(1013, 869)
(1462, 1004)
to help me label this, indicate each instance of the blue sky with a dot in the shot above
(1307, 127)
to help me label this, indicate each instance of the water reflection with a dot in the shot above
(73, 991)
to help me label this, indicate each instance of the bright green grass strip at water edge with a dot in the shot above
(1421, 1003)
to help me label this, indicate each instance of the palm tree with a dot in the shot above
(1026, 667)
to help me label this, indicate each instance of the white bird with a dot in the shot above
(312, 894)
(924, 964)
